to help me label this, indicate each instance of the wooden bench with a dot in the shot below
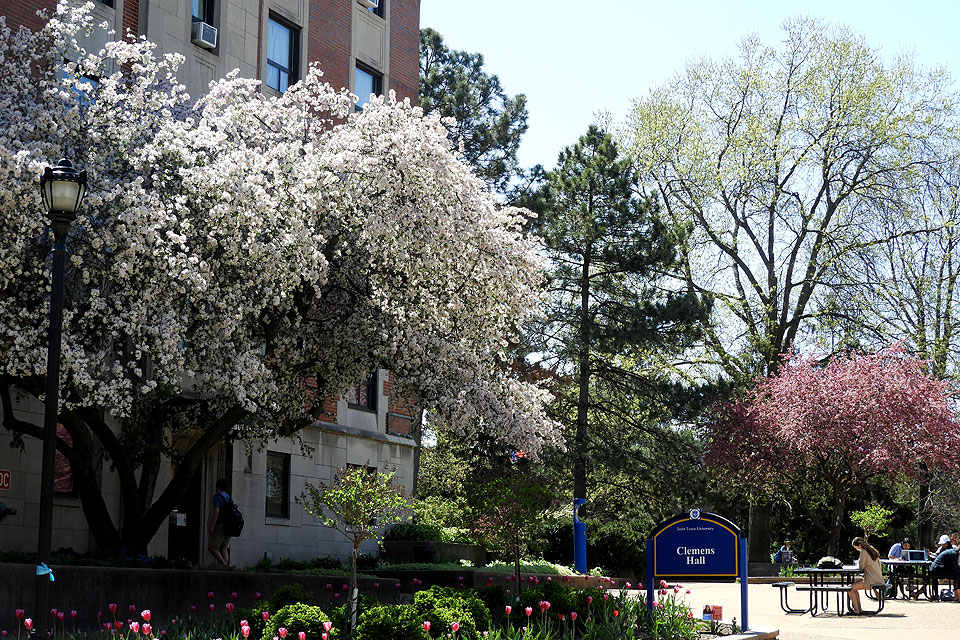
(841, 591)
(783, 586)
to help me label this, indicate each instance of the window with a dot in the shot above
(109, 3)
(379, 9)
(278, 485)
(203, 11)
(282, 55)
(366, 82)
(364, 395)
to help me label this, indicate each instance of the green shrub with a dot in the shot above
(289, 594)
(254, 617)
(561, 598)
(494, 598)
(445, 605)
(296, 618)
(364, 603)
(326, 562)
(407, 531)
(390, 622)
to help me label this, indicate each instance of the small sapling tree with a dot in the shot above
(361, 503)
(874, 519)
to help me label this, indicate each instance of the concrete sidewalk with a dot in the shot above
(900, 620)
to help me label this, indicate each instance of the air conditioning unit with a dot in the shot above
(369, 4)
(204, 35)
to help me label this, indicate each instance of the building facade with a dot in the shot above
(365, 46)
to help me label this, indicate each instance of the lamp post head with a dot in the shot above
(62, 188)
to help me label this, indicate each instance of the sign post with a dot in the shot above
(579, 538)
(698, 545)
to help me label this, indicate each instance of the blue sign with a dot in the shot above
(696, 544)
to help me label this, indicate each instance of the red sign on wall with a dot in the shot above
(4, 480)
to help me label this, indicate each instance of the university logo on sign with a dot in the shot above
(697, 544)
(4, 480)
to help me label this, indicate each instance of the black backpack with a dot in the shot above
(232, 520)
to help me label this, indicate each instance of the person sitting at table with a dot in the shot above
(869, 563)
(942, 545)
(955, 540)
(896, 551)
(784, 554)
(945, 565)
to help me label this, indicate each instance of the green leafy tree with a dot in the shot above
(779, 159)
(488, 123)
(361, 503)
(874, 519)
(614, 320)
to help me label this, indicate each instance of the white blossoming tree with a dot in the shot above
(230, 249)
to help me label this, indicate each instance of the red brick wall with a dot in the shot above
(400, 409)
(328, 39)
(24, 12)
(131, 17)
(405, 48)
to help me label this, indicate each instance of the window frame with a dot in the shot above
(208, 11)
(293, 72)
(377, 84)
(373, 387)
(380, 10)
(284, 511)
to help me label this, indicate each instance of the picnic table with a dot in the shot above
(911, 578)
(820, 589)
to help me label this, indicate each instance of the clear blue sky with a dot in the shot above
(574, 58)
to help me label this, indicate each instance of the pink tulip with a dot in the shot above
(257, 595)
(376, 585)
(327, 625)
(426, 625)
(61, 615)
(676, 589)
(53, 613)
(133, 609)
(265, 615)
(209, 595)
(529, 611)
(397, 586)
(193, 608)
(28, 623)
(336, 596)
(99, 615)
(145, 614)
(324, 636)
(508, 609)
(234, 595)
(573, 615)
(455, 626)
(3, 633)
(135, 627)
(245, 630)
(283, 632)
(627, 585)
(229, 607)
(244, 623)
(20, 613)
(329, 586)
(146, 628)
(549, 579)
(112, 607)
(74, 613)
(589, 599)
(212, 607)
(302, 635)
(344, 587)
(544, 605)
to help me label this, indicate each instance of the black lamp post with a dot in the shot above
(62, 188)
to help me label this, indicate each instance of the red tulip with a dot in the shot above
(302, 635)
(529, 611)
(135, 627)
(615, 613)
(20, 613)
(376, 585)
(245, 630)
(265, 615)
(324, 636)
(344, 587)
(117, 624)
(589, 599)
(61, 615)
(74, 613)
(257, 595)
(145, 614)
(209, 595)
(327, 625)
(508, 609)
(229, 607)
(133, 609)
(53, 613)
(234, 595)
(455, 626)
(397, 586)
(544, 605)
(147, 628)
(329, 586)
(212, 607)
(426, 625)
(28, 623)
(282, 632)
(573, 615)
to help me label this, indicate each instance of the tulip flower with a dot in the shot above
(573, 615)
(229, 607)
(146, 628)
(455, 626)
(135, 627)
(529, 611)
(28, 623)
(53, 613)
(234, 595)
(117, 624)
(302, 635)
(193, 608)
(344, 587)
(616, 613)
(245, 631)
(209, 595)
(74, 613)
(133, 609)
(3, 634)
(61, 615)
(627, 585)
(283, 632)
(212, 607)
(20, 613)
(325, 636)
(426, 625)
(376, 585)
(589, 599)
(257, 596)
(145, 614)
(508, 609)
(327, 625)
(336, 596)
(397, 586)
(265, 615)
(329, 586)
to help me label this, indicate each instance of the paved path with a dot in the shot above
(900, 620)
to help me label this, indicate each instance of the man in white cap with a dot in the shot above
(945, 564)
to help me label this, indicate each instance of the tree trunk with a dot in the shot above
(839, 509)
(352, 609)
(758, 530)
(516, 565)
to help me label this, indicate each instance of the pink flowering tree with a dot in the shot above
(229, 250)
(842, 423)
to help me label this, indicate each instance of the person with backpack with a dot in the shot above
(219, 540)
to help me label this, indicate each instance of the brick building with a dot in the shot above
(365, 46)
